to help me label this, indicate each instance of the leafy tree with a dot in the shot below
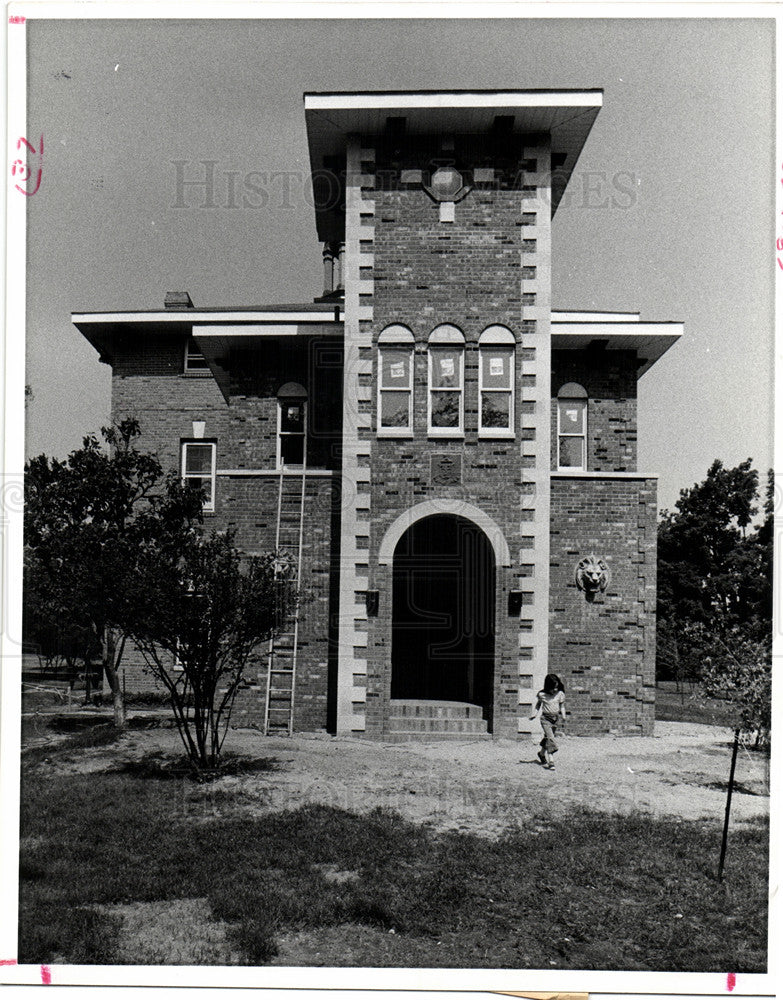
(715, 589)
(87, 520)
(198, 612)
(714, 567)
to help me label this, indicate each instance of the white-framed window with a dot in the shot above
(496, 382)
(195, 362)
(291, 425)
(395, 382)
(198, 468)
(446, 382)
(572, 427)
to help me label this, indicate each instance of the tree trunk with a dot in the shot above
(110, 662)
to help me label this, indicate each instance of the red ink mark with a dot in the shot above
(780, 262)
(46, 975)
(731, 981)
(17, 19)
(7, 961)
(22, 169)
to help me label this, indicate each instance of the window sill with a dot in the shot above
(440, 434)
(197, 374)
(389, 433)
(498, 435)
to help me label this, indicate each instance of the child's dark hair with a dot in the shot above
(553, 684)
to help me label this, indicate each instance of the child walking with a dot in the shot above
(551, 707)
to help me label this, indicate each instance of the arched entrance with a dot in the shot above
(443, 613)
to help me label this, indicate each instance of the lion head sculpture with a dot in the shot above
(592, 575)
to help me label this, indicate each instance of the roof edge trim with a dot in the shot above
(347, 100)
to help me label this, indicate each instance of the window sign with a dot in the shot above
(447, 367)
(571, 416)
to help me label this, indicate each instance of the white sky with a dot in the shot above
(687, 116)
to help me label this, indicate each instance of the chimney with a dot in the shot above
(177, 300)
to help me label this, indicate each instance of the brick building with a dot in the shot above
(450, 461)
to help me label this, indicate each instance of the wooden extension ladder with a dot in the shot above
(289, 534)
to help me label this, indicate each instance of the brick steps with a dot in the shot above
(404, 737)
(412, 719)
(416, 707)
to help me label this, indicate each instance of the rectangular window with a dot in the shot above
(198, 468)
(444, 411)
(195, 362)
(572, 433)
(395, 391)
(496, 391)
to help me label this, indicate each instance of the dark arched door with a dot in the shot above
(443, 612)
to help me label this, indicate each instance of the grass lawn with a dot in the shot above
(691, 705)
(133, 868)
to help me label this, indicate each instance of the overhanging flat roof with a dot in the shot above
(650, 341)
(103, 329)
(330, 117)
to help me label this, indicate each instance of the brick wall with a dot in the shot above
(604, 651)
(609, 378)
(148, 384)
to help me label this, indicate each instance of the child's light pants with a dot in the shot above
(549, 726)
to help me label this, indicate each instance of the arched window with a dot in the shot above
(572, 427)
(446, 379)
(395, 382)
(291, 423)
(496, 382)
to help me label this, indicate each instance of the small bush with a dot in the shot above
(147, 699)
(161, 767)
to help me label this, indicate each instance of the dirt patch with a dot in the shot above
(335, 875)
(482, 787)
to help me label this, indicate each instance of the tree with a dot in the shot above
(198, 612)
(87, 521)
(715, 591)
(714, 567)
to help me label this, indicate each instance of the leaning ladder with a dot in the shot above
(289, 536)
